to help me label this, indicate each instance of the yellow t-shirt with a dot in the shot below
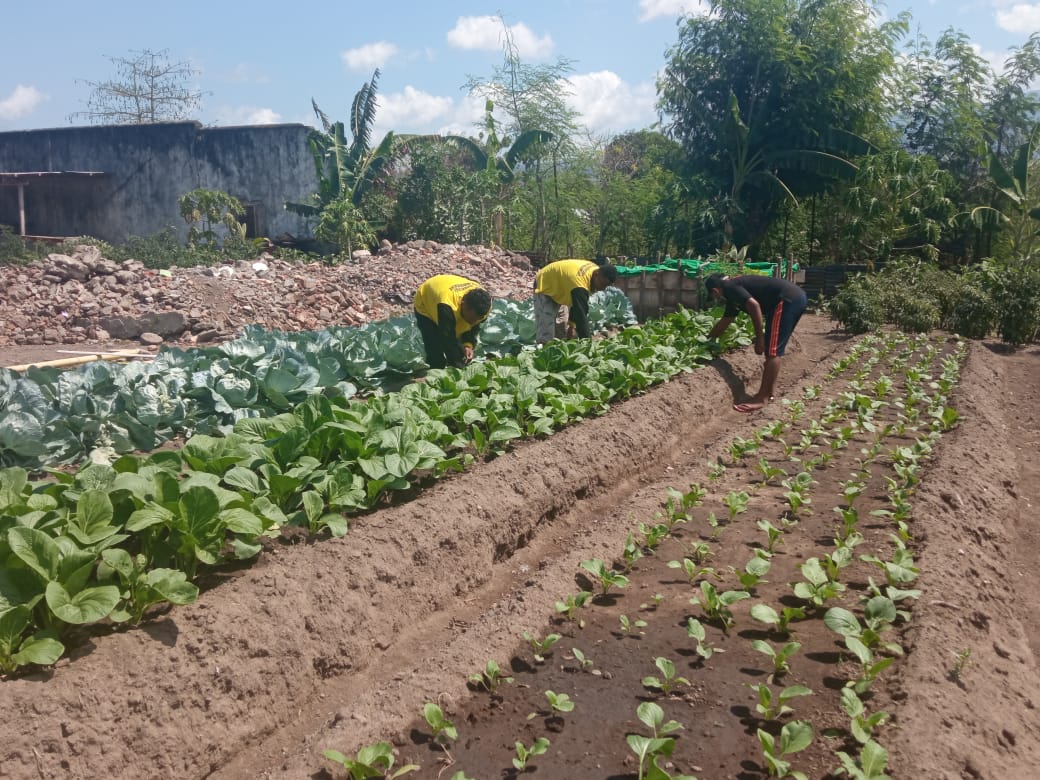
(558, 279)
(447, 289)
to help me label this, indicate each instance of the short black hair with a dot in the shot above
(478, 300)
(713, 281)
(607, 272)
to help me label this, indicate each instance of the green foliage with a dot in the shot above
(524, 753)
(347, 172)
(204, 210)
(768, 99)
(372, 761)
(918, 297)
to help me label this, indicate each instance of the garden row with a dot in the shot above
(50, 416)
(779, 652)
(111, 540)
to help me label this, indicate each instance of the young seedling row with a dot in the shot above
(749, 627)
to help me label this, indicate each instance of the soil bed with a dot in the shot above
(338, 643)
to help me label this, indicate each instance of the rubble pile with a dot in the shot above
(82, 297)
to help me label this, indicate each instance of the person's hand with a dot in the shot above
(760, 344)
(467, 353)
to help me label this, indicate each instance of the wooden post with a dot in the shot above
(21, 209)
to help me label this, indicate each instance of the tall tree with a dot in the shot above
(770, 98)
(147, 88)
(533, 97)
(959, 110)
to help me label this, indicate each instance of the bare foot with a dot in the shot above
(750, 406)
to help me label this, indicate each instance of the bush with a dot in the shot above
(1017, 298)
(857, 307)
(974, 314)
(912, 310)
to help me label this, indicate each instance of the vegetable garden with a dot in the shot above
(673, 589)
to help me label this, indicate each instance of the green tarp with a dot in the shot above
(691, 267)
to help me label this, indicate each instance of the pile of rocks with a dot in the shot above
(82, 297)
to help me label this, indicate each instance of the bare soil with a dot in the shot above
(338, 643)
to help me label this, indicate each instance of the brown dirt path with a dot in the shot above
(338, 643)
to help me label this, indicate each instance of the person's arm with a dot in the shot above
(719, 327)
(579, 312)
(754, 311)
(446, 328)
(469, 342)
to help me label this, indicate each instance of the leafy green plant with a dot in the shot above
(524, 753)
(781, 620)
(668, 679)
(879, 615)
(963, 660)
(205, 209)
(142, 588)
(736, 502)
(443, 730)
(781, 657)
(632, 553)
(571, 603)
(873, 760)
(656, 746)
(19, 647)
(695, 630)
(817, 587)
(372, 761)
(774, 706)
(754, 570)
(794, 737)
(559, 702)
(774, 535)
(769, 472)
(606, 577)
(870, 665)
(717, 605)
(491, 677)
(653, 535)
(540, 646)
(861, 725)
(691, 569)
(628, 625)
(583, 661)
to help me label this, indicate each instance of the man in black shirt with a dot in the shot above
(774, 306)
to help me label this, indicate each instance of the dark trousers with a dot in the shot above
(433, 342)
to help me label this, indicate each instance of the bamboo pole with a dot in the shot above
(79, 360)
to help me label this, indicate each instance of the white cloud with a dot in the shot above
(410, 111)
(651, 9)
(1020, 18)
(606, 104)
(369, 56)
(485, 33)
(247, 115)
(22, 102)
(244, 73)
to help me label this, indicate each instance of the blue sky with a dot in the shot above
(263, 62)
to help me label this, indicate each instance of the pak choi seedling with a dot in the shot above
(668, 678)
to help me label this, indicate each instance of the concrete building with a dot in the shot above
(117, 181)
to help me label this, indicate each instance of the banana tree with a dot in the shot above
(347, 171)
(1014, 185)
(780, 171)
(499, 160)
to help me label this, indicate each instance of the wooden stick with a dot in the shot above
(72, 361)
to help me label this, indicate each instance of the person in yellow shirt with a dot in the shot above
(448, 311)
(568, 283)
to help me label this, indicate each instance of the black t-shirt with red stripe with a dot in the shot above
(767, 290)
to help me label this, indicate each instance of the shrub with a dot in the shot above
(857, 307)
(974, 314)
(911, 310)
